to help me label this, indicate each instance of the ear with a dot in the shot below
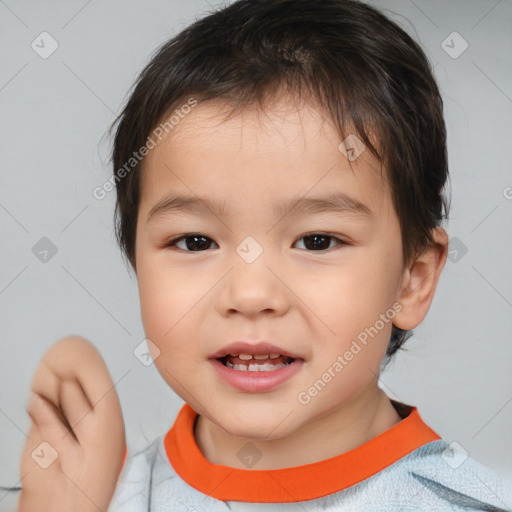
(419, 282)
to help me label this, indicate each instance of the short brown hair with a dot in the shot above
(360, 67)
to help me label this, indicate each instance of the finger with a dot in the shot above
(75, 358)
(45, 383)
(34, 439)
(50, 425)
(76, 407)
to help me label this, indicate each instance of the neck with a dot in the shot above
(345, 428)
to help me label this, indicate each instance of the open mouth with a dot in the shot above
(256, 363)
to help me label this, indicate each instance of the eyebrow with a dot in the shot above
(339, 202)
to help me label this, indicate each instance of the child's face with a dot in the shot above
(310, 297)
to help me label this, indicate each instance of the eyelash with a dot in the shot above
(172, 243)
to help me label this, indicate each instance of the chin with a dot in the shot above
(256, 426)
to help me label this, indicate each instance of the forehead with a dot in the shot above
(284, 150)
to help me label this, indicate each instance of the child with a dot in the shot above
(279, 170)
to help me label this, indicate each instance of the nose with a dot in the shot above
(254, 288)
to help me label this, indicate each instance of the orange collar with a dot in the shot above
(299, 483)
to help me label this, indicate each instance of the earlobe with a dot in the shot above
(420, 281)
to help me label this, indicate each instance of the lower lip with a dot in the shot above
(255, 382)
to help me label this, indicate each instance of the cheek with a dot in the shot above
(352, 294)
(170, 311)
(345, 305)
(161, 305)
(155, 300)
(169, 323)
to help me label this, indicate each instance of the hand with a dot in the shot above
(77, 415)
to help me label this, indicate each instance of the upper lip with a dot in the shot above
(253, 348)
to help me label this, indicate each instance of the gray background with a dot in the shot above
(54, 114)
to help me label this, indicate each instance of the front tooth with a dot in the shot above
(274, 356)
(267, 367)
(260, 356)
(245, 357)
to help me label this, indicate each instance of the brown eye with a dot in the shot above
(192, 242)
(320, 241)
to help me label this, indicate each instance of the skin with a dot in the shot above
(74, 409)
(312, 302)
